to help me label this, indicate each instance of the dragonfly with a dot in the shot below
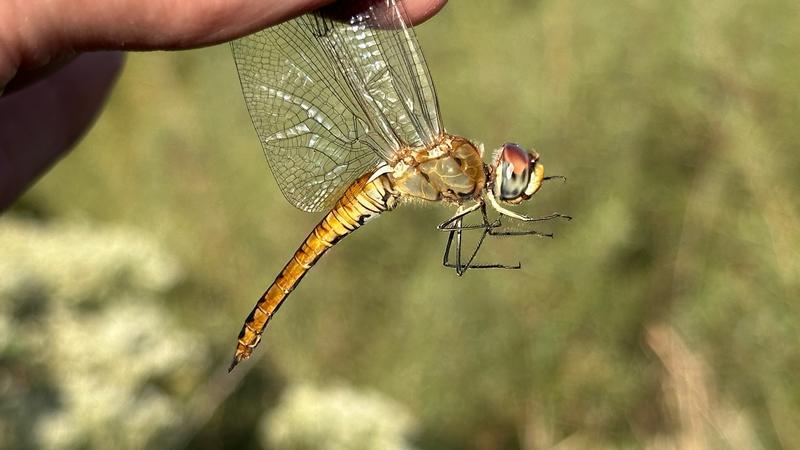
(348, 118)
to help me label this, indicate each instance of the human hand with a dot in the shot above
(41, 120)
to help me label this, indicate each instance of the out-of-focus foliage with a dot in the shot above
(336, 418)
(664, 316)
(89, 357)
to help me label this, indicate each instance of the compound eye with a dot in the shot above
(514, 172)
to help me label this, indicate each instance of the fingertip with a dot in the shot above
(421, 10)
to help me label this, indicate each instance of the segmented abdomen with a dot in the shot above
(362, 201)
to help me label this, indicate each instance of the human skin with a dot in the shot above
(59, 60)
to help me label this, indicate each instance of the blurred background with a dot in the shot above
(663, 316)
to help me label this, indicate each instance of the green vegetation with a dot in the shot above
(663, 316)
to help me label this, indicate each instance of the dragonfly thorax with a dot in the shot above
(452, 170)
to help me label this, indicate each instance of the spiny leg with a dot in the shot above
(491, 229)
(521, 233)
(455, 223)
(488, 229)
(461, 269)
(522, 217)
(454, 231)
(461, 212)
(498, 224)
(455, 228)
(446, 256)
(470, 265)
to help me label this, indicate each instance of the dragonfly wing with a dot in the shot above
(332, 97)
(382, 62)
(315, 138)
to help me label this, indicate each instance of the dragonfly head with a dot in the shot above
(516, 174)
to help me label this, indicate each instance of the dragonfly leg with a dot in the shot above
(486, 232)
(455, 230)
(455, 227)
(459, 268)
(522, 217)
(462, 268)
(521, 233)
(498, 224)
(461, 212)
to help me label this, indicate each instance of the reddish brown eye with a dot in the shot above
(514, 173)
(517, 157)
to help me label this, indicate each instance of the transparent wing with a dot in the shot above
(381, 60)
(332, 95)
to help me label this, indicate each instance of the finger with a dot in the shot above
(40, 123)
(25, 151)
(171, 24)
(49, 32)
(416, 11)
(420, 11)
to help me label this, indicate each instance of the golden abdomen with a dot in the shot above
(364, 199)
(453, 170)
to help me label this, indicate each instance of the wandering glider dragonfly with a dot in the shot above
(348, 118)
